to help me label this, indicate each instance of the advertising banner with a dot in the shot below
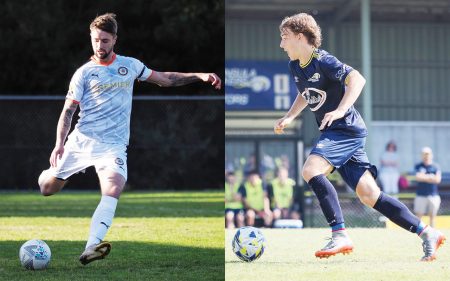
(258, 85)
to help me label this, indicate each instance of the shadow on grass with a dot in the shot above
(127, 261)
(83, 204)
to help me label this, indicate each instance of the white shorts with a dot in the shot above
(427, 205)
(81, 152)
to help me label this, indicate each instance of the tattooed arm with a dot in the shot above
(64, 123)
(174, 79)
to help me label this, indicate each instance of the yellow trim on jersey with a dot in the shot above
(346, 78)
(313, 55)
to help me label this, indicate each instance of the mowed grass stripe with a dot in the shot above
(380, 254)
(145, 246)
(83, 204)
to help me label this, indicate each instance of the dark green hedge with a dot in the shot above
(43, 42)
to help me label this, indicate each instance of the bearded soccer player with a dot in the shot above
(103, 89)
(330, 88)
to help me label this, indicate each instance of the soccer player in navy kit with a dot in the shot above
(330, 88)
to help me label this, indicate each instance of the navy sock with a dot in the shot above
(328, 199)
(397, 212)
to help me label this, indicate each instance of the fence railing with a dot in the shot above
(357, 214)
(176, 142)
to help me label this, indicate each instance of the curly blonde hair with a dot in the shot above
(304, 24)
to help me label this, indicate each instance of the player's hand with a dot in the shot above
(280, 124)
(330, 117)
(213, 79)
(57, 153)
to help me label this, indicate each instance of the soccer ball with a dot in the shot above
(35, 254)
(248, 243)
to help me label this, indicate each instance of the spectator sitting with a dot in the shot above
(255, 199)
(281, 193)
(234, 210)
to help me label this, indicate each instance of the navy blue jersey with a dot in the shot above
(321, 82)
(425, 188)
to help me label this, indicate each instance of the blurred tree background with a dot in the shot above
(43, 42)
(174, 144)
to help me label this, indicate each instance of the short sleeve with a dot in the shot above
(76, 87)
(417, 168)
(334, 69)
(142, 71)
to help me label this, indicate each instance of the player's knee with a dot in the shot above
(368, 196)
(307, 172)
(44, 184)
(47, 188)
(113, 191)
(43, 178)
(367, 190)
(48, 184)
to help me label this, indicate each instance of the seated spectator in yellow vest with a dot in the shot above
(234, 210)
(255, 199)
(281, 194)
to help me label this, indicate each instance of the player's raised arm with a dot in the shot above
(62, 129)
(296, 108)
(174, 79)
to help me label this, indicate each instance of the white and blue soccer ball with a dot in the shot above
(248, 243)
(35, 254)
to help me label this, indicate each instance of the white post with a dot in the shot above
(366, 70)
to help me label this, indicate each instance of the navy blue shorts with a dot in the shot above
(346, 154)
(235, 211)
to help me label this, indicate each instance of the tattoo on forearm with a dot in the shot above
(178, 79)
(67, 116)
(65, 121)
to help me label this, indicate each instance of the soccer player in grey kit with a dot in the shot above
(330, 88)
(103, 89)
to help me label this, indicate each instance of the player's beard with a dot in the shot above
(104, 55)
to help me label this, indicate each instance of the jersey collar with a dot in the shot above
(113, 58)
(309, 61)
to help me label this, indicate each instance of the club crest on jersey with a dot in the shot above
(341, 72)
(122, 70)
(119, 161)
(314, 97)
(314, 78)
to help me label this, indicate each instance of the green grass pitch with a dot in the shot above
(155, 236)
(379, 255)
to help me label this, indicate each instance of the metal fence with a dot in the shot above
(358, 215)
(176, 142)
